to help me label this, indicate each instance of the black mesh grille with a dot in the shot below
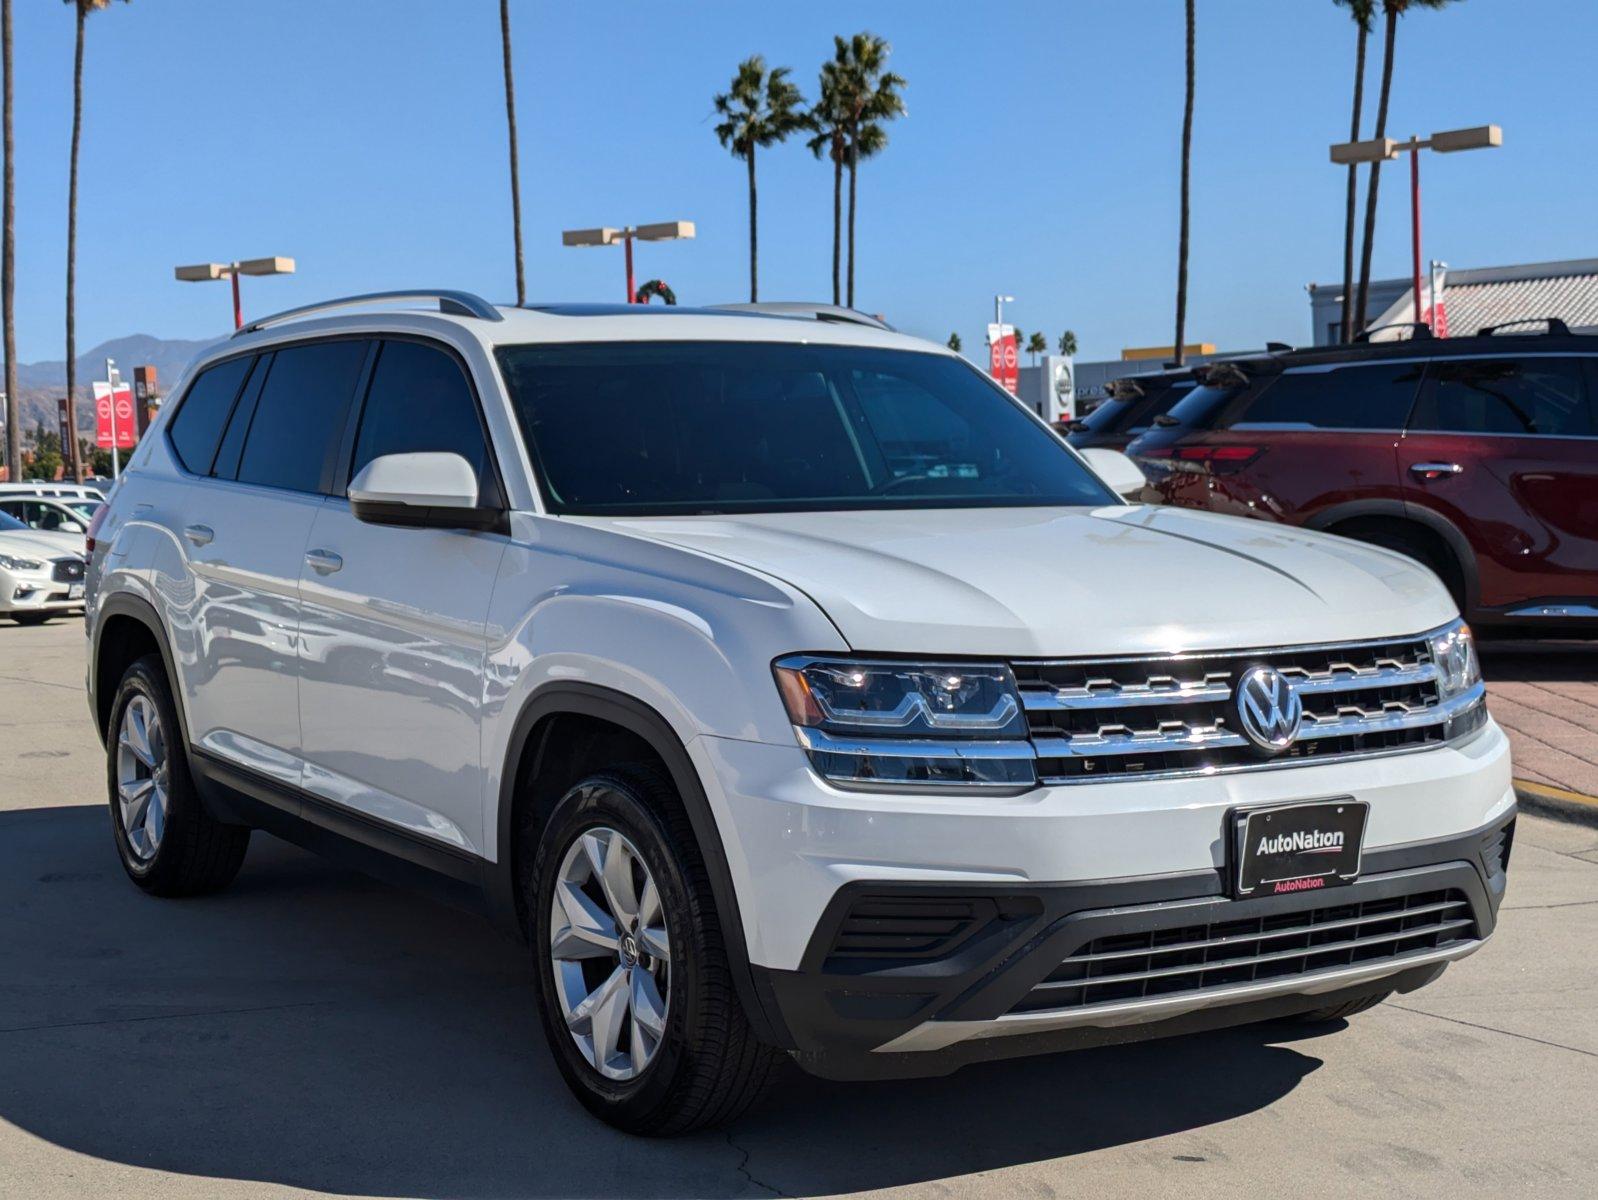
(1197, 958)
(904, 927)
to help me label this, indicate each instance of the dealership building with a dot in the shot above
(1473, 299)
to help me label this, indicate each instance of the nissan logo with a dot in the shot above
(1268, 710)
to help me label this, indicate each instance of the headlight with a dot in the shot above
(20, 564)
(876, 723)
(1454, 653)
(1459, 682)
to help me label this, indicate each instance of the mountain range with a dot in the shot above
(39, 384)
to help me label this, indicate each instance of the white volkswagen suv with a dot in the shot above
(786, 686)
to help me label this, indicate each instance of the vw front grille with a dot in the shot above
(1093, 720)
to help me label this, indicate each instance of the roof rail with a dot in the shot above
(460, 304)
(1556, 327)
(1419, 331)
(802, 308)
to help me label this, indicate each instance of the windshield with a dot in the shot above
(86, 507)
(654, 428)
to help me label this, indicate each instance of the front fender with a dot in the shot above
(689, 636)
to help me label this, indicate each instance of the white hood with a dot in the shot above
(33, 543)
(1065, 582)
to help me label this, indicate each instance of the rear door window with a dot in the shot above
(420, 400)
(1533, 395)
(300, 414)
(1368, 396)
(197, 424)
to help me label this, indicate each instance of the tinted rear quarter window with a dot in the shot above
(1369, 396)
(420, 400)
(1546, 396)
(197, 424)
(300, 413)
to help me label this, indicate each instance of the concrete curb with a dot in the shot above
(1558, 803)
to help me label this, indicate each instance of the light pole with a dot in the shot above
(205, 272)
(112, 378)
(1373, 150)
(661, 231)
(998, 308)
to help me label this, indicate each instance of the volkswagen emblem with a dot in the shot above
(1268, 710)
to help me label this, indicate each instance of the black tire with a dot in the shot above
(31, 618)
(197, 853)
(709, 1066)
(1339, 1012)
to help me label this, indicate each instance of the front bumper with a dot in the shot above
(992, 973)
(1048, 864)
(36, 591)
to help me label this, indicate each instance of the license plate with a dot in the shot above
(1298, 847)
(75, 592)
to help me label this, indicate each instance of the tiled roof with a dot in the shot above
(1493, 295)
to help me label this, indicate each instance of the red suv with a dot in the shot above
(1478, 456)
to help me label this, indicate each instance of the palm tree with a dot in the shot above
(1020, 338)
(515, 179)
(83, 9)
(8, 263)
(872, 97)
(762, 107)
(1068, 344)
(828, 121)
(954, 338)
(1363, 12)
(1391, 11)
(1187, 156)
(1037, 344)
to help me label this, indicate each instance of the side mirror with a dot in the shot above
(71, 527)
(430, 490)
(1124, 477)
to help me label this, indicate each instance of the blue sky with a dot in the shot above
(366, 138)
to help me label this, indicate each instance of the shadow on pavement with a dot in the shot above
(1540, 661)
(310, 1028)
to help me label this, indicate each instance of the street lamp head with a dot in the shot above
(201, 272)
(665, 231)
(603, 236)
(1005, 299)
(1479, 137)
(1372, 150)
(276, 265)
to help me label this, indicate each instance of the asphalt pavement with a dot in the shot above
(312, 1031)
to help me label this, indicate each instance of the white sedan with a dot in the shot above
(41, 574)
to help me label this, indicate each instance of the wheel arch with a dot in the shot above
(126, 628)
(526, 747)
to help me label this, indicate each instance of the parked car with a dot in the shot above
(93, 489)
(1477, 456)
(787, 686)
(40, 577)
(1130, 409)
(49, 514)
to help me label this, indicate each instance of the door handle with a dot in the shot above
(323, 562)
(199, 534)
(1428, 471)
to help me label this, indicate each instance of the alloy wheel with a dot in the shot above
(609, 953)
(142, 777)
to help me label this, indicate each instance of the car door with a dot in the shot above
(246, 528)
(394, 619)
(1318, 436)
(1506, 448)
